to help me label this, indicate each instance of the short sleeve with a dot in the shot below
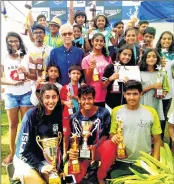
(156, 127)
(166, 85)
(113, 127)
(171, 118)
(85, 62)
(109, 70)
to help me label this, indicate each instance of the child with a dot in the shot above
(149, 36)
(165, 46)
(69, 100)
(80, 41)
(101, 24)
(130, 37)
(52, 77)
(124, 57)
(143, 24)
(94, 65)
(149, 73)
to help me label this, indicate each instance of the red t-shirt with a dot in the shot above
(65, 115)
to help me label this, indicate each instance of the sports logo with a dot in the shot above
(58, 2)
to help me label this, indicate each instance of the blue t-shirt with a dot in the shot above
(63, 59)
(100, 125)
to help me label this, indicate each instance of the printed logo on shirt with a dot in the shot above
(55, 128)
(23, 142)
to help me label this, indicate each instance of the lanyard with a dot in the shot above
(135, 54)
(74, 101)
(50, 40)
(80, 40)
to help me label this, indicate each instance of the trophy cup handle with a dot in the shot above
(59, 137)
(37, 140)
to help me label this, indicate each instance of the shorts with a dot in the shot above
(12, 101)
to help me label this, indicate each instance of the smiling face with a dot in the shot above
(42, 21)
(77, 32)
(120, 29)
(38, 35)
(98, 42)
(80, 20)
(132, 98)
(50, 99)
(148, 38)
(151, 59)
(13, 43)
(166, 40)
(67, 35)
(54, 28)
(125, 56)
(101, 22)
(86, 101)
(131, 37)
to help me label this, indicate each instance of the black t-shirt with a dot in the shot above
(113, 99)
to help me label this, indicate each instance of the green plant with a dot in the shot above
(159, 172)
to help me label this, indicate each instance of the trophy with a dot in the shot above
(39, 65)
(115, 85)
(75, 146)
(121, 149)
(50, 148)
(44, 72)
(159, 92)
(85, 153)
(28, 7)
(95, 75)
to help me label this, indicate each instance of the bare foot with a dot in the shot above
(8, 159)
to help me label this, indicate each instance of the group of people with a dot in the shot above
(70, 75)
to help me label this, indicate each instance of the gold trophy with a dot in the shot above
(50, 148)
(85, 153)
(121, 149)
(75, 147)
(44, 72)
(95, 75)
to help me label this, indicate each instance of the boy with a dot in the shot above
(148, 37)
(143, 24)
(140, 123)
(69, 100)
(98, 119)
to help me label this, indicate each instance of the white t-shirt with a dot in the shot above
(33, 98)
(39, 52)
(10, 74)
(171, 118)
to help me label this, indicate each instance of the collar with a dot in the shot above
(65, 49)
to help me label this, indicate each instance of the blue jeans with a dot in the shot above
(12, 101)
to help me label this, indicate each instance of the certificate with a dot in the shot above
(132, 72)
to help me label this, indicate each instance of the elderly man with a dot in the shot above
(66, 55)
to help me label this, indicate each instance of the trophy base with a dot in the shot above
(121, 154)
(85, 154)
(95, 78)
(54, 178)
(75, 167)
(21, 76)
(159, 93)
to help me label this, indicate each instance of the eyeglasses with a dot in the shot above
(13, 41)
(37, 33)
(69, 34)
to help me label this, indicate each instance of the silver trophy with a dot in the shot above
(85, 153)
(50, 149)
(115, 85)
(159, 92)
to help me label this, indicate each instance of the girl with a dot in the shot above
(124, 57)
(45, 121)
(101, 24)
(17, 97)
(94, 65)
(149, 72)
(165, 46)
(79, 40)
(52, 77)
(130, 38)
